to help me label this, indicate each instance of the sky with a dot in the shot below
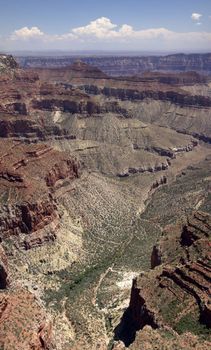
(129, 25)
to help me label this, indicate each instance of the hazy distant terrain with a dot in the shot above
(128, 64)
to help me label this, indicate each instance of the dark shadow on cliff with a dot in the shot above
(135, 317)
(126, 329)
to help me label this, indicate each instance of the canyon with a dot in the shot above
(126, 65)
(105, 203)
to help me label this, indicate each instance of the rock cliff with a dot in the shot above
(175, 295)
(127, 65)
(29, 176)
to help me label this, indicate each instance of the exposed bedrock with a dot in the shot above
(29, 178)
(7, 62)
(197, 226)
(178, 287)
(182, 99)
(140, 313)
(26, 217)
(143, 169)
(28, 105)
(76, 107)
(171, 153)
(23, 323)
(29, 130)
(126, 65)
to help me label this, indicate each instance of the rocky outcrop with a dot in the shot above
(7, 63)
(144, 169)
(151, 339)
(171, 153)
(23, 323)
(77, 70)
(38, 222)
(28, 181)
(141, 313)
(198, 226)
(68, 169)
(155, 92)
(193, 278)
(84, 107)
(40, 237)
(178, 288)
(26, 217)
(187, 148)
(30, 131)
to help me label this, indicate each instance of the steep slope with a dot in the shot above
(37, 110)
(175, 295)
(29, 175)
(164, 100)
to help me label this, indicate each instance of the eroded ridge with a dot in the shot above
(174, 296)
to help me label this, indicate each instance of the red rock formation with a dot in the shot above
(197, 226)
(150, 339)
(23, 323)
(158, 86)
(77, 70)
(28, 178)
(180, 287)
(62, 171)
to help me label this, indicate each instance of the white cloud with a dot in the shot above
(103, 34)
(27, 33)
(101, 27)
(196, 16)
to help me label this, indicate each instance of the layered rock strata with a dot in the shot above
(126, 65)
(176, 294)
(29, 177)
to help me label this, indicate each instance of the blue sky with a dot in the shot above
(105, 24)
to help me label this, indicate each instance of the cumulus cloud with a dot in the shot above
(27, 33)
(103, 33)
(101, 27)
(196, 16)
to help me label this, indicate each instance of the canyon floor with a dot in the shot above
(105, 209)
